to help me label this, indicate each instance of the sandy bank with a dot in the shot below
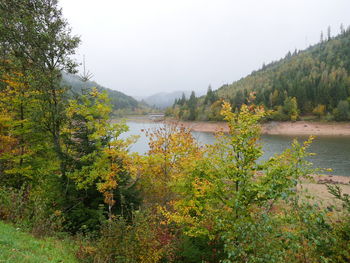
(317, 188)
(307, 128)
(287, 128)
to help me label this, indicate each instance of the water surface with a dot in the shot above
(331, 151)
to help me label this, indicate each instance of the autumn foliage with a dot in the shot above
(65, 166)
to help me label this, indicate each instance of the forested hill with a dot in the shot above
(314, 82)
(118, 99)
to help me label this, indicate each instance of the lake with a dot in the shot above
(331, 151)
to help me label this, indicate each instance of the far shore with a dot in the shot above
(280, 128)
(272, 127)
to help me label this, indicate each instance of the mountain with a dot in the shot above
(314, 82)
(119, 100)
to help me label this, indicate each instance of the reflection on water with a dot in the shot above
(331, 151)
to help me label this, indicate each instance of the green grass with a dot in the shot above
(16, 246)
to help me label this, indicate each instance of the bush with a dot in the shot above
(279, 115)
(341, 113)
(199, 249)
(319, 110)
(144, 239)
(31, 208)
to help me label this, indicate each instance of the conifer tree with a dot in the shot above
(192, 104)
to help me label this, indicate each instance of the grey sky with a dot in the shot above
(141, 47)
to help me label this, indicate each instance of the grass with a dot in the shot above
(17, 246)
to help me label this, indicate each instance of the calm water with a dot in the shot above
(331, 151)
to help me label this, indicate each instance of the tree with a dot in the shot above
(39, 40)
(228, 196)
(319, 110)
(273, 98)
(341, 112)
(182, 100)
(18, 104)
(238, 99)
(36, 47)
(100, 159)
(172, 151)
(192, 105)
(211, 97)
(291, 108)
(215, 109)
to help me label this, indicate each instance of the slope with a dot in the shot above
(313, 82)
(118, 99)
(316, 76)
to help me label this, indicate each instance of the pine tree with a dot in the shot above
(192, 104)
(182, 100)
(210, 97)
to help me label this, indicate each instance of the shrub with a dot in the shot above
(319, 110)
(34, 208)
(341, 112)
(144, 239)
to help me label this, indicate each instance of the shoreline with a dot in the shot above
(305, 128)
(279, 128)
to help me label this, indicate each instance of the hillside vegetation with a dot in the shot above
(315, 82)
(121, 103)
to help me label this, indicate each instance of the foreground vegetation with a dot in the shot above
(16, 246)
(65, 168)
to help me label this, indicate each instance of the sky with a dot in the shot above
(142, 47)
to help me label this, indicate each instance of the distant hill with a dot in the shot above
(118, 99)
(163, 100)
(313, 82)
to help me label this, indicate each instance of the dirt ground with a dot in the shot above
(317, 189)
(287, 128)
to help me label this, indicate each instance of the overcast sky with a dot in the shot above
(141, 47)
